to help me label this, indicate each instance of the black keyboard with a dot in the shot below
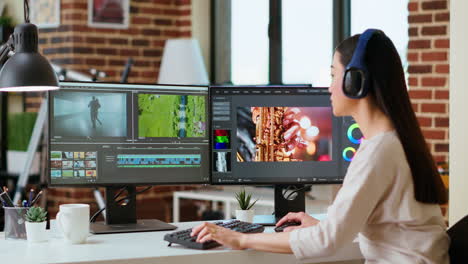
(183, 237)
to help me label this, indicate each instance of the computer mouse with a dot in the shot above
(283, 226)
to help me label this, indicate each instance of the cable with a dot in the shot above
(119, 193)
(26, 11)
(93, 218)
(294, 191)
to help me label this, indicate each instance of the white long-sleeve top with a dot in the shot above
(376, 202)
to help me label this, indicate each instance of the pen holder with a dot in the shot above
(15, 218)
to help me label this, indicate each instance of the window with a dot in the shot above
(250, 43)
(310, 30)
(388, 15)
(307, 42)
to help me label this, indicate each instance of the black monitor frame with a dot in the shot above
(283, 205)
(121, 217)
(97, 184)
(317, 91)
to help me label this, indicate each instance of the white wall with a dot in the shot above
(14, 8)
(201, 15)
(458, 203)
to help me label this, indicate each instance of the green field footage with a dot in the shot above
(160, 116)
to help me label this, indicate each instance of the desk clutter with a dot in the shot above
(26, 221)
(184, 238)
(19, 218)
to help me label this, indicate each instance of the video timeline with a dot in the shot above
(159, 161)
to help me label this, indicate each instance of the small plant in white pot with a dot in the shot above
(245, 212)
(36, 224)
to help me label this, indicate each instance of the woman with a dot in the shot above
(391, 191)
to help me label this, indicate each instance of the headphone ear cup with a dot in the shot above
(353, 84)
(347, 83)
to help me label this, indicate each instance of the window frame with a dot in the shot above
(221, 20)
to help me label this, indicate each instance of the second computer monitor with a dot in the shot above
(278, 135)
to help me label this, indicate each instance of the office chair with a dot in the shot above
(458, 234)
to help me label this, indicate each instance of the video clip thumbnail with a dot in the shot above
(222, 162)
(91, 173)
(56, 155)
(67, 164)
(56, 164)
(78, 173)
(55, 173)
(90, 155)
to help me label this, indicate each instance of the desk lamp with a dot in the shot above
(182, 63)
(26, 70)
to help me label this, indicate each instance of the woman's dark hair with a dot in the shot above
(388, 89)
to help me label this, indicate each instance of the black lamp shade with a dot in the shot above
(27, 70)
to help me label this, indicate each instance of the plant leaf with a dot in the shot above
(247, 202)
(244, 200)
(252, 204)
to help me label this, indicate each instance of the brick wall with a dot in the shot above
(428, 58)
(76, 46)
(155, 203)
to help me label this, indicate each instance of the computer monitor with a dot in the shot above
(124, 135)
(279, 135)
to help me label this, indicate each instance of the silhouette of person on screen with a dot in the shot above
(94, 109)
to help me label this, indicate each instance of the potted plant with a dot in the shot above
(36, 224)
(20, 127)
(6, 28)
(245, 212)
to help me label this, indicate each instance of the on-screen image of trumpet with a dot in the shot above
(284, 134)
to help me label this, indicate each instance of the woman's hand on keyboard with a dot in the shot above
(303, 218)
(224, 236)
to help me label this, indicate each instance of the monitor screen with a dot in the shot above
(117, 134)
(277, 135)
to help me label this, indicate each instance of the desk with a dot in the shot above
(146, 248)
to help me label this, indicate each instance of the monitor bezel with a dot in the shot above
(322, 90)
(97, 184)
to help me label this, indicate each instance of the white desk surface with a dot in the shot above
(144, 248)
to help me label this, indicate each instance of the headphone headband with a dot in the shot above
(356, 77)
(357, 60)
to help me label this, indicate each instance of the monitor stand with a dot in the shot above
(284, 205)
(121, 217)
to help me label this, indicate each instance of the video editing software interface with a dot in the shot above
(103, 133)
(276, 135)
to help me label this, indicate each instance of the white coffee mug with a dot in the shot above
(74, 222)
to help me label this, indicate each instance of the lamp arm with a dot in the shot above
(5, 49)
